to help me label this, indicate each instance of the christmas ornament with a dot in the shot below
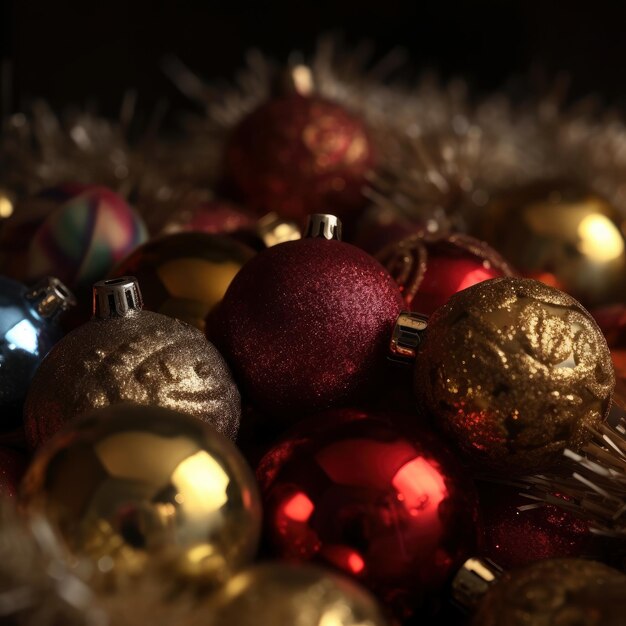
(355, 491)
(514, 372)
(560, 591)
(216, 217)
(612, 322)
(12, 467)
(305, 324)
(125, 354)
(82, 239)
(559, 229)
(277, 593)
(429, 268)
(299, 153)
(185, 275)
(142, 487)
(28, 329)
(518, 532)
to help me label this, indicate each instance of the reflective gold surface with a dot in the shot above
(560, 592)
(186, 274)
(139, 488)
(514, 371)
(569, 235)
(277, 594)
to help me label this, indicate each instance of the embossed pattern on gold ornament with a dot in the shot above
(515, 371)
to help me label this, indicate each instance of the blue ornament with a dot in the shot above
(28, 329)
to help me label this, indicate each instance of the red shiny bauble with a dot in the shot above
(297, 155)
(216, 217)
(305, 325)
(431, 267)
(514, 538)
(382, 503)
(13, 464)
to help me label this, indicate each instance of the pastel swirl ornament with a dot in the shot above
(84, 238)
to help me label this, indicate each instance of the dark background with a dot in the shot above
(74, 51)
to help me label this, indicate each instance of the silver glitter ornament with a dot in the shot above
(125, 354)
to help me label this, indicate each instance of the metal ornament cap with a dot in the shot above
(272, 230)
(473, 581)
(323, 225)
(407, 335)
(50, 297)
(116, 297)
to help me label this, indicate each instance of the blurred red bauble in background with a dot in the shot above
(358, 492)
(430, 268)
(13, 464)
(306, 325)
(297, 155)
(612, 323)
(515, 538)
(215, 218)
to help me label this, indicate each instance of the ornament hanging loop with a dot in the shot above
(407, 335)
(324, 226)
(116, 297)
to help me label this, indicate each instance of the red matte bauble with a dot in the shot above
(297, 155)
(380, 227)
(612, 323)
(305, 325)
(431, 267)
(359, 493)
(216, 217)
(13, 464)
(514, 538)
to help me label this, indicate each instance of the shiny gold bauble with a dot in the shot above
(514, 371)
(560, 592)
(185, 275)
(141, 488)
(130, 356)
(277, 594)
(565, 236)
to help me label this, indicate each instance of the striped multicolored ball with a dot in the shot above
(84, 238)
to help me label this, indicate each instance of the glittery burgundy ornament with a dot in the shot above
(385, 505)
(514, 537)
(305, 325)
(300, 154)
(12, 467)
(429, 268)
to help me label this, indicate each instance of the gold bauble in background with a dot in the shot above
(186, 274)
(560, 592)
(515, 372)
(278, 594)
(558, 233)
(140, 488)
(125, 354)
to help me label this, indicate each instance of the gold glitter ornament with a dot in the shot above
(125, 354)
(515, 372)
(276, 594)
(556, 232)
(559, 592)
(141, 487)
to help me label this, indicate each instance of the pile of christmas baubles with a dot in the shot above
(263, 412)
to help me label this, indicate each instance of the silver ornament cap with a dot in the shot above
(407, 335)
(473, 581)
(323, 225)
(116, 297)
(50, 297)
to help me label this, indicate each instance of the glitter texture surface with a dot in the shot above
(144, 358)
(297, 155)
(558, 592)
(306, 325)
(514, 371)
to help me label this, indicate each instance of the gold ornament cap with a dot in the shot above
(324, 226)
(116, 297)
(407, 335)
(50, 297)
(473, 581)
(273, 230)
